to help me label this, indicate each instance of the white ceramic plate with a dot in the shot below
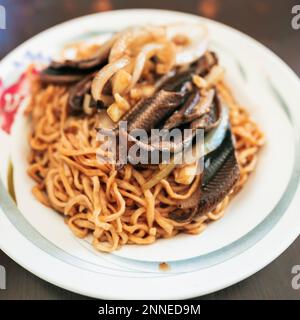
(259, 224)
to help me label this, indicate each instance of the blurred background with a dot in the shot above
(268, 21)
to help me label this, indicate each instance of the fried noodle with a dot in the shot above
(107, 204)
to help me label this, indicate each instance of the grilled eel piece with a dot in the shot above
(221, 173)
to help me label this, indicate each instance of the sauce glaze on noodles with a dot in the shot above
(100, 201)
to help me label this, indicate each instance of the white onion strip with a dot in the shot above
(134, 35)
(105, 74)
(198, 42)
(146, 53)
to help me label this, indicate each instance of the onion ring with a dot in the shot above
(198, 42)
(146, 53)
(134, 34)
(105, 74)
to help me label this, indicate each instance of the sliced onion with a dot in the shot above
(86, 104)
(107, 45)
(69, 52)
(105, 74)
(105, 121)
(133, 34)
(120, 45)
(146, 53)
(215, 137)
(160, 175)
(198, 42)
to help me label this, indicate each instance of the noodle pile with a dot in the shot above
(97, 199)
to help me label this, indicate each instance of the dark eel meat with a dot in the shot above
(221, 173)
(176, 103)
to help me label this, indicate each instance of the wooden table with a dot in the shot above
(267, 21)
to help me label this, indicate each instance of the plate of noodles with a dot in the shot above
(147, 160)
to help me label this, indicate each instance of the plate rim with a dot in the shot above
(183, 15)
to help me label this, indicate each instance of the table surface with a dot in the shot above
(267, 21)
